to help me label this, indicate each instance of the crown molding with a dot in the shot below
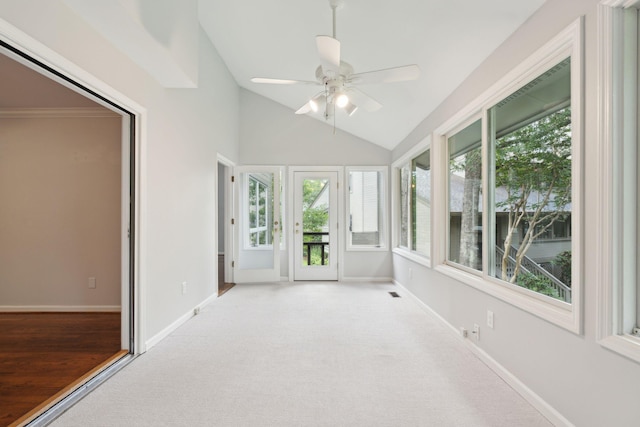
(23, 113)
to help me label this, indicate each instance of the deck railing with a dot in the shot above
(312, 240)
(530, 266)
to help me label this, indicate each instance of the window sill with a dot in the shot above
(557, 312)
(412, 256)
(258, 248)
(625, 345)
(367, 248)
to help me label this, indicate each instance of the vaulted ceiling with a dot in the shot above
(447, 39)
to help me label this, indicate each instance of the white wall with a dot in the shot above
(587, 384)
(60, 184)
(184, 131)
(271, 134)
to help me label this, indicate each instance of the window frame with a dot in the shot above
(612, 275)
(382, 203)
(568, 43)
(396, 213)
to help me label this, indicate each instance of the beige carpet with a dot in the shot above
(307, 354)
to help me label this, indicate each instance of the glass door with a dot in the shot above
(258, 225)
(315, 226)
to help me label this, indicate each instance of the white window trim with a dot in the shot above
(569, 43)
(383, 247)
(417, 149)
(608, 284)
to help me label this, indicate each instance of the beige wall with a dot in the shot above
(60, 189)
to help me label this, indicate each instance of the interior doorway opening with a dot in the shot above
(225, 258)
(67, 233)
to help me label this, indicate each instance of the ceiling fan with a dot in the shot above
(338, 80)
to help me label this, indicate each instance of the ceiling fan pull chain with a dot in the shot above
(334, 123)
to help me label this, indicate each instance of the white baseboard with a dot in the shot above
(548, 411)
(367, 279)
(59, 308)
(178, 322)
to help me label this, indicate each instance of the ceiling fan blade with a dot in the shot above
(389, 75)
(329, 51)
(363, 100)
(281, 81)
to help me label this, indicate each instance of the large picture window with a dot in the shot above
(511, 166)
(531, 150)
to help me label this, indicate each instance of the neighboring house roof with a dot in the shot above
(456, 189)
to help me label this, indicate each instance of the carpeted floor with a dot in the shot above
(307, 354)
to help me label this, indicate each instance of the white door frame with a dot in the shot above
(290, 229)
(228, 196)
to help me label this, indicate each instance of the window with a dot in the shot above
(465, 195)
(366, 208)
(405, 200)
(510, 166)
(619, 281)
(414, 182)
(531, 182)
(421, 203)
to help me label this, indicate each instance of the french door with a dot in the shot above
(315, 225)
(258, 229)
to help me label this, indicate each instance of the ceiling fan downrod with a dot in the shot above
(335, 5)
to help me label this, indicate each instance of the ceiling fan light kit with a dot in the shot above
(339, 80)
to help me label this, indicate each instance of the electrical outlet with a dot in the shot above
(476, 332)
(92, 283)
(490, 319)
(184, 288)
(463, 332)
(196, 311)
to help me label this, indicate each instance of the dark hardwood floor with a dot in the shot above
(222, 286)
(42, 356)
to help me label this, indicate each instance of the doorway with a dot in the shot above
(225, 272)
(68, 218)
(315, 219)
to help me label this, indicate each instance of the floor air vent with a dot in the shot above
(394, 294)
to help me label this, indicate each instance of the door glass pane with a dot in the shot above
(315, 222)
(257, 204)
(465, 196)
(260, 208)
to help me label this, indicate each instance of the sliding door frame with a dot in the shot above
(37, 56)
